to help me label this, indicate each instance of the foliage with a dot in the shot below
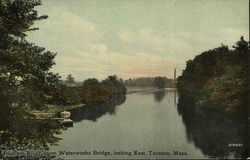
(90, 90)
(118, 84)
(70, 79)
(159, 82)
(220, 77)
(18, 127)
(17, 17)
(24, 67)
(93, 90)
(65, 95)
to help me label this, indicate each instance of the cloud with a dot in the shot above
(212, 39)
(124, 65)
(64, 31)
(83, 53)
(97, 47)
(183, 44)
(82, 50)
(147, 39)
(62, 21)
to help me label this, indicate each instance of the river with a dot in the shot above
(144, 125)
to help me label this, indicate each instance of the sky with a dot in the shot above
(135, 38)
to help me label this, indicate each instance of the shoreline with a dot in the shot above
(52, 110)
(142, 89)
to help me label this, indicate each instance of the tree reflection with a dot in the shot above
(159, 95)
(213, 132)
(95, 110)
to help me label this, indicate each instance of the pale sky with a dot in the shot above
(135, 38)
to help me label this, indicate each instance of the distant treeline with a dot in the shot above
(218, 78)
(159, 82)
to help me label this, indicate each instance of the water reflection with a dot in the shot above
(216, 134)
(159, 95)
(96, 110)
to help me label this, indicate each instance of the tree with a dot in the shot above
(159, 82)
(219, 78)
(24, 67)
(241, 45)
(17, 17)
(70, 79)
(117, 84)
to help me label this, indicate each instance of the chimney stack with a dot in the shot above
(174, 75)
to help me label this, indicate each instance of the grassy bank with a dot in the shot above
(52, 110)
(136, 89)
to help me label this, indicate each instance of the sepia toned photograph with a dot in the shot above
(124, 79)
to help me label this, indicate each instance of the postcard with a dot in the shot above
(124, 79)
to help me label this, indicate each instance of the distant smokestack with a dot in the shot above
(174, 75)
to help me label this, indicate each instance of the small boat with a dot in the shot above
(65, 119)
(67, 122)
(65, 114)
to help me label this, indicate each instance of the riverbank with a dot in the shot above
(51, 110)
(144, 89)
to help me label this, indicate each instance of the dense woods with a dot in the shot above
(218, 78)
(88, 91)
(25, 79)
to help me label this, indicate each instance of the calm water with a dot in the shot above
(148, 121)
(153, 121)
